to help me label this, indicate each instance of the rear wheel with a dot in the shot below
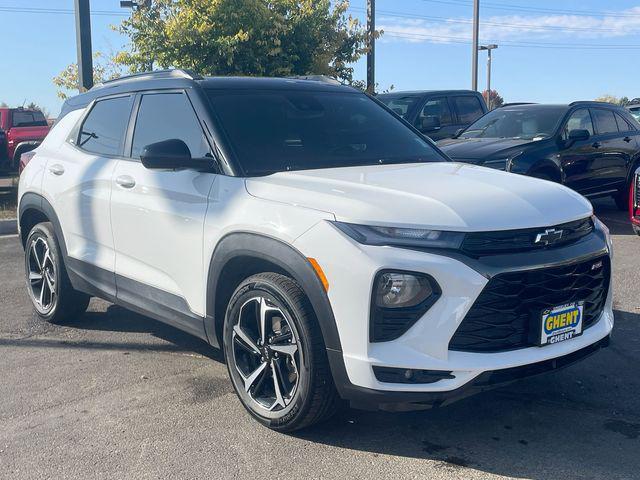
(48, 285)
(275, 354)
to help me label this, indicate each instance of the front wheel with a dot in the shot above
(276, 355)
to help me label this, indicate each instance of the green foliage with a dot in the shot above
(245, 37)
(104, 68)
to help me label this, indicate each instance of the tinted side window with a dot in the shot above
(469, 108)
(168, 116)
(623, 125)
(605, 121)
(436, 107)
(104, 128)
(28, 118)
(579, 120)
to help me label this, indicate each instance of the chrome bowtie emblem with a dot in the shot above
(551, 235)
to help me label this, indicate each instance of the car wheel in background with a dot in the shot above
(275, 354)
(48, 285)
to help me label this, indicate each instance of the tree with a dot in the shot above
(493, 98)
(608, 99)
(245, 37)
(104, 68)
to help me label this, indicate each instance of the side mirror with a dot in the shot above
(173, 154)
(578, 135)
(430, 123)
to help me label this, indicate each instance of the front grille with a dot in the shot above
(514, 241)
(506, 315)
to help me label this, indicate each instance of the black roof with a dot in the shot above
(176, 78)
(420, 93)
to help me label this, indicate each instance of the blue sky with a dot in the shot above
(550, 51)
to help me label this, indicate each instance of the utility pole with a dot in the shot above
(488, 48)
(83, 40)
(371, 51)
(474, 48)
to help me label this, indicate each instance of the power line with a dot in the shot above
(58, 11)
(521, 8)
(390, 13)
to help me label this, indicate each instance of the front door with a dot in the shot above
(580, 158)
(158, 216)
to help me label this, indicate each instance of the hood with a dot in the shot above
(476, 150)
(442, 195)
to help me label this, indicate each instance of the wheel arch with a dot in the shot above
(241, 254)
(34, 209)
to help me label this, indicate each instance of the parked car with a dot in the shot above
(635, 110)
(634, 202)
(590, 147)
(438, 113)
(21, 130)
(327, 247)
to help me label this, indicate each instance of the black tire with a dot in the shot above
(66, 303)
(314, 396)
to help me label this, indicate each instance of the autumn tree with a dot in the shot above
(245, 37)
(493, 98)
(104, 68)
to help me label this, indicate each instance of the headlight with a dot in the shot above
(405, 237)
(398, 300)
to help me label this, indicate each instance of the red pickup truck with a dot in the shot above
(21, 130)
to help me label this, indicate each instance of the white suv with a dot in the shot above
(329, 249)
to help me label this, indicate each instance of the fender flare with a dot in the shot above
(34, 201)
(289, 260)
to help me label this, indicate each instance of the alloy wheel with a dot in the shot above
(41, 271)
(266, 354)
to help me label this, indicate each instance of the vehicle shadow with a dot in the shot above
(617, 221)
(120, 320)
(581, 422)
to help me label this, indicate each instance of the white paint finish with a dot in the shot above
(448, 196)
(158, 229)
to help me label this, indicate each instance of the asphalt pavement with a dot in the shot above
(117, 395)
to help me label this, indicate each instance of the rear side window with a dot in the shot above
(436, 107)
(168, 116)
(28, 118)
(623, 124)
(469, 108)
(605, 121)
(104, 128)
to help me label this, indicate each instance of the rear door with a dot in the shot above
(158, 215)
(436, 108)
(467, 108)
(615, 150)
(78, 182)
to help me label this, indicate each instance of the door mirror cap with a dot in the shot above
(579, 135)
(173, 154)
(430, 123)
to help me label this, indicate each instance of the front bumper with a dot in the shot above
(351, 267)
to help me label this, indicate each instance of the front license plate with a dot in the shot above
(561, 323)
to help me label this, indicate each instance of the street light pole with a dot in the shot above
(371, 50)
(83, 41)
(474, 48)
(488, 48)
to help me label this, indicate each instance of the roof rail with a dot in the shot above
(317, 78)
(591, 102)
(156, 74)
(513, 104)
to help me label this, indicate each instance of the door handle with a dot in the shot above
(125, 181)
(596, 145)
(56, 169)
(627, 139)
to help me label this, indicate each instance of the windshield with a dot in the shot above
(400, 105)
(28, 118)
(527, 123)
(274, 131)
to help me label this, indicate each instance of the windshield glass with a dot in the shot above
(635, 111)
(273, 131)
(400, 105)
(28, 118)
(527, 123)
